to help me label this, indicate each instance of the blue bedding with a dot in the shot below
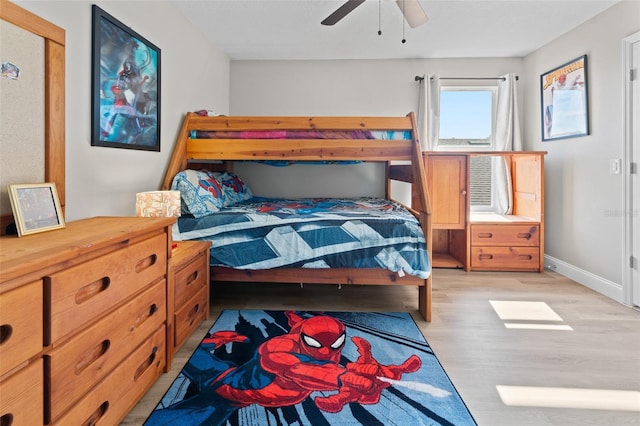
(267, 233)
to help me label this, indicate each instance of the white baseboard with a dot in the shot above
(587, 279)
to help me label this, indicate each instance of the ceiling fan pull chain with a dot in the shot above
(379, 17)
(404, 40)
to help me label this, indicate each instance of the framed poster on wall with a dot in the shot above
(564, 100)
(125, 86)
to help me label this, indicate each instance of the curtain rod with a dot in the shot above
(419, 78)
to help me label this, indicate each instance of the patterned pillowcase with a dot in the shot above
(202, 192)
(235, 189)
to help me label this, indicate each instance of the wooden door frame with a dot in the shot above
(629, 202)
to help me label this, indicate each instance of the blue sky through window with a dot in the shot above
(465, 114)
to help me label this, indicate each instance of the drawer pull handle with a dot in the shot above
(525, 235)
(143, 316)
(485, 235)
(88, 291)
(193, 312)
(145, 364)
(92, 355)
(486, 256)
(97, 415)
(6, 419)
(525, 257)
(147, 262)
(5, 334)
(192, 277)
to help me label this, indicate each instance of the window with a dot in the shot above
(467, 117)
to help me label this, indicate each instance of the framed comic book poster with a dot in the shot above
(125, 86)
(564, 101)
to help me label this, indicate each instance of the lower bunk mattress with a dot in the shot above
(267, 233)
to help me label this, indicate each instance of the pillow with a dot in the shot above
(235, 189)
(201, 192)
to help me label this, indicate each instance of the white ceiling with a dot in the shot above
(291, 29)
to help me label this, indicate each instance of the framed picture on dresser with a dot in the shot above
(125, 86)
(36, 207)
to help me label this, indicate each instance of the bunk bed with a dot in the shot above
(210, 145)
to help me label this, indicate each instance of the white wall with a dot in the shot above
(194, 75)
(357, 88)
(584, 203)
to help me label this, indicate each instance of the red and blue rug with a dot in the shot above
(309, 368)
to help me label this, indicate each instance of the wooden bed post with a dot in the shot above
(420, 188)
(179, 158)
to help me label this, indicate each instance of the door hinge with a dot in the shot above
(633, 262)
(632, 74)
(633, 168)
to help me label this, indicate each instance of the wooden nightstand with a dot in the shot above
(188, 291)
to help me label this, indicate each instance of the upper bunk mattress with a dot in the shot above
(304, 134)
(267, 233)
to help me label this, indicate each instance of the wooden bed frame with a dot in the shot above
(407, 167)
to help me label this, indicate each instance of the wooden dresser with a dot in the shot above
(486, 241)
(83, 320)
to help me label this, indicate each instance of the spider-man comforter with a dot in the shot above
(267, 233)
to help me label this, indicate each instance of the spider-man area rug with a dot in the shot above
(312, 368)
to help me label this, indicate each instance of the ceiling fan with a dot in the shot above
(411, 9)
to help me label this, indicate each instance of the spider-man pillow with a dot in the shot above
(201, 192)
(235, 189)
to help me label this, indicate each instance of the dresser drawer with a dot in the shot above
(505, 235)
(21, 397)
(84, 292)
(20, 325)
(505, 258)
(110, 400)
(80, 363)
(190, 279)
(190, 315)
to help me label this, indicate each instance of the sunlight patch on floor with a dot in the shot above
(524, 311)
(528, 326)
(589, 399)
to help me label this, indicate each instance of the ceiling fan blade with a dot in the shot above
(341, 12)
(413, 12)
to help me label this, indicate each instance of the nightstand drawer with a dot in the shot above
(20, 325)
(80, 363)
(84, 292)
(110, 400)
(190, 279)
(505, 258)
(189, 316)
(21, 396)
(505, 235)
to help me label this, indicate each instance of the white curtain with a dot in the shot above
(507, 138)
(429, 112)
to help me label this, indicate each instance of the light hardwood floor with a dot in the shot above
(477, 350)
